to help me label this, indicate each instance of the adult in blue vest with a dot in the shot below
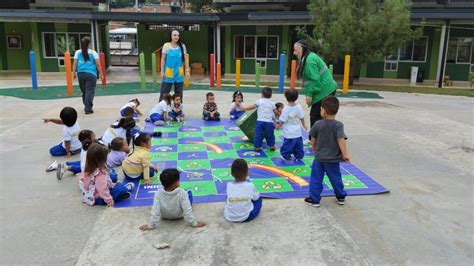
(86, 64)
(173, 66)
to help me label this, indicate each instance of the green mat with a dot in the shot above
(59, 92)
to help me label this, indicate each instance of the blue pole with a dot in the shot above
(282, 72)
(34, 81)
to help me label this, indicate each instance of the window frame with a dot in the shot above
(255, 47)
(469, 62)
(413, 50)
(55, 42)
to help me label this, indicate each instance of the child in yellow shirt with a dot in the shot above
(138, 164)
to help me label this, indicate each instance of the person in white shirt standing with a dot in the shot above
(243, 202)
(291, 120)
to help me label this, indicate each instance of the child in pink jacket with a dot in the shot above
(95, 179)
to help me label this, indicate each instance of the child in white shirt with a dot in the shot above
(235, 111)
(243, 202)
(159, 113)
(291, 120)
(70, 144)
(134, 103)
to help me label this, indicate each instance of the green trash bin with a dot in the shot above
(247, 122)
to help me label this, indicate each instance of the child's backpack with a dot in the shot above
(88, 193)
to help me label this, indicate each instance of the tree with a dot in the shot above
(197, 5)
(367, 30)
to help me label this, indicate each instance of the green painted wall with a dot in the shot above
(375, 70)
(19, 59)
(3, 48)
(47, 64)
(434, 55)
(389, 74)
(228, 57)
(459, 71)
(195, 41)
(35, 45)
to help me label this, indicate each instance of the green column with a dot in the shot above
(142, 70)
(285, 44)
(363, 70)
(257, 75)
(35, 45)
(434, 56)
(228, 49)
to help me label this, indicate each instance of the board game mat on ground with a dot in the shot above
(203, 152)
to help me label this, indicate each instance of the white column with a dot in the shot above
(218, 52)
(93, 36)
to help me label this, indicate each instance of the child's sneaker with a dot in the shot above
(307, 142)
(286, 159)
(130, 186)
(159, 123)
(340, 201)
(272, 148)
(147, 119)
(53, 166)
(311, 202)
(156, 134)
(124, 196)
(60, 171)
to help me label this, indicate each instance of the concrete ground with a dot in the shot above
(418, 146)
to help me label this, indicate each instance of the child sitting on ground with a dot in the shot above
(70, 144)
(264, 128)
(134, 103)
(159, 113)
(237, 100)
(97, 189)
(210, 111)
(122, 128)
(291, 120)
(328, 142)
(138, 165)
(171, 202)
(118, 150)
(176, 109)
(243, 202)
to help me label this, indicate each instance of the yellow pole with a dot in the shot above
(186, 80)
(237, 73)
(347, 66)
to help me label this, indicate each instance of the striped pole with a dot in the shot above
(282, 74)
(257, 75)
(153, 67)
(104, 72)
(347, 66)
(67, 64)
(293, 74)
(142, 70)
(34, 80)
(237, 73)
(218, 75)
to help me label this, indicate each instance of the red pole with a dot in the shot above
(102, 64)
(211, 70)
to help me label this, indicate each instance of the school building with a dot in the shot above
(252, 31)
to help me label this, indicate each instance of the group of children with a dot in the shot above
(100, 158)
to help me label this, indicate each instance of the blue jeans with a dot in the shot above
(257, 205)
(207, 116)
(113, 175)
(236, 114)
(174, 116)
(131, 178)
(292, 146)
(190, 196)
(116, 192)
(264, 130)
(333, 171)
(59, 150)
(156, 117)
(75, 166)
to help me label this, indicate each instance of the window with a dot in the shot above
(56, 44)
(460, 51)
(391, 61)
(391, 66)
(256, 47)
(406, 52)
(414, 50)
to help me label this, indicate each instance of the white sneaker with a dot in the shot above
(130, 186)
(307, 142)
(159, 123)
(53, 166)
(60, 171)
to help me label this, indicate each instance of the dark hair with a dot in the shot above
(167, 97)
(141, 138)
(68, 116)
(169, 177)
(236, 93)
(183, 56)
(127, 123)
(135, 100)
(209, 94)
(267, 92)
(176, 95)
(330, 105)
(84, 47)
(304, 55)
(278, 105)
(291, 95)
(85, 137)
(116, 144)
(128, 111)
(239, 169)
(96, 158)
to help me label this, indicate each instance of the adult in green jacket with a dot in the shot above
(317, 79)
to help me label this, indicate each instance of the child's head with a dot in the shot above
(118, 144)
(279, 106)
(68, 116)
(96, 158)
(210, 97)
(176, 99)
(267, 92)
(237, 96)
(167, 98)
(136, 101)
(239, 170)
(142, 140)
(169, 178)
(86, 137)
(329, 106)
(291, 95)
(128, 112)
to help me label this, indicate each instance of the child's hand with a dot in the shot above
(346, 158)
(68, 155)
(200, 224)
(145, 227)
(147, 181)
(46, 120)
(305, 127)
(110, 204)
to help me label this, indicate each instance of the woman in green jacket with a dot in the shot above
(317, 79)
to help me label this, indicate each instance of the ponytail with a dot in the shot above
(85, 47)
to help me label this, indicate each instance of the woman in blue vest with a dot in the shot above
(86, 64)
(173, 66)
